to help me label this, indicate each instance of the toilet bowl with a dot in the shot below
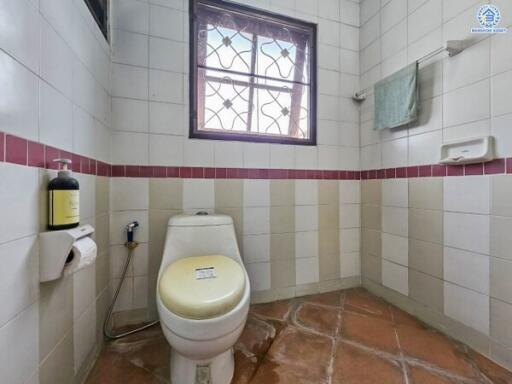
(203, 296)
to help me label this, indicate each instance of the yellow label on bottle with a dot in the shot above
(64, 207)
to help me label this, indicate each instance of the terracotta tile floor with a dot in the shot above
(347, 337)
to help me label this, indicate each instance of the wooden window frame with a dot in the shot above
(195, 100)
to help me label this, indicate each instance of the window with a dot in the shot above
(99, 9)
(252, 75)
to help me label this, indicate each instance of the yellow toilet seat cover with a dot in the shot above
(202, 287)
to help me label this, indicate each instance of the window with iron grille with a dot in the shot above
(252, 75)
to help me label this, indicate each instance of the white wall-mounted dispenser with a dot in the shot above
(468, 151)
(65, 252)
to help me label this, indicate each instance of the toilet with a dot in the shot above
(203, 296)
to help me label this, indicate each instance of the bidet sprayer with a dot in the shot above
(130, 229)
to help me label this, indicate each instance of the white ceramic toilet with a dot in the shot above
(203, 296)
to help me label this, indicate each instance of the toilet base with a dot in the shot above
(218, 370)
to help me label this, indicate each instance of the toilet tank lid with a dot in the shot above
(199, 220)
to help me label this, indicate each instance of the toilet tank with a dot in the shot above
(198, 235)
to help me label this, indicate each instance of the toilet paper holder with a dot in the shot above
(65, 252)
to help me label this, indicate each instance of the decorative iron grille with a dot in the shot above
(253, 75)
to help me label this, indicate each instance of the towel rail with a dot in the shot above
(453, 47)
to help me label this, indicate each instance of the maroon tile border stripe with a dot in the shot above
(16, 150)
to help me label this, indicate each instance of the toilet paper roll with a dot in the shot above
(84, 253)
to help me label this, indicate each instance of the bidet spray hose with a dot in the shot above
(131, 245)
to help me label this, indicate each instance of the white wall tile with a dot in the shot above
(256, 248)
(395, 192)
(228, 154)
(130, 115)
(306, 271)
(130, 15)
(467, 104)
(328, 157)
(349, 37)
(55, 118)
(256, 220)
(166, 23)
(349, 13)
(167, 118)
(130, 48)
(470, 194)
(329, 9)
(467, 306)
(19, 198)
(129, 81)
(306, 192)
(198, 194)
(466, 69)
(467, 231)
(256, 155)
(130, 148)
(166, 55)
(84, 290)
(306, 218)
(350, 215)
(370, 56)
(56, 60)
(392, 13)
(454, 7)
(394, 153)
(396, 277)
(349, 191)
(348, 62)
(256, 193)
(369, 32)
(84, 336)
(424, 19)
(22, 42)
(424, 45)
(167, 150)
(466, 131)
(425, 148)
(129, 193)
(467, 269)
(430, 116)
(125, 299)
(140, 292)
(19, 346)
(198, 153)
(259, 276)
(166, 86)
(395, 249)
(282, 156)
(395, 221)
(369, 9)
(350, 264)
(348, 135)
(306, 245)
(501, 87)
(501, 53)
(394, 40)
(503, 135)
(350, 240)
(19, 281)
(117, 260)
(19, 99)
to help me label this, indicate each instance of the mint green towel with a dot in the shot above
(396, 98)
